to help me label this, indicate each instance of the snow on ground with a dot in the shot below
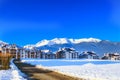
(87, 69)
(11, 74)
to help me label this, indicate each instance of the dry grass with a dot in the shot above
(4, 60)
(5, 55)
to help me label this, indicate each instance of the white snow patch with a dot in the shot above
(42, 43)
(86, 69)
(29, 46)
(46, 51)
(11, 74)
(76, 41)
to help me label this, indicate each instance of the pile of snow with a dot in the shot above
(86, 69)
(11, 74)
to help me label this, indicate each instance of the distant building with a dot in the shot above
(13, 49)
(31, 53)
(88, 55)
(66, 53)
(47, 54)
(111, 56)
(63, 53)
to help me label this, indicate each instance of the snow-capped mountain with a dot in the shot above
(77, 41)
(84, 44)
(29, 46)
(2, 43)
(62, 41)
(53, 41)
(5, 44)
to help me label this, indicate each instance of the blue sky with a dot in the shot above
(29, 21)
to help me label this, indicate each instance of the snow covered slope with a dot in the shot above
(12, 74)
(85, 44)
(63, 41)
(83, 68)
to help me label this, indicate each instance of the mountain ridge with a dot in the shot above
(63, 41)
(84, 44)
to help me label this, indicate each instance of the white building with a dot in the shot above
(89, 55)
(111, 56)
(67, 53)
(13, 49)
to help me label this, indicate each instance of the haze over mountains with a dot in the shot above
(84, 44)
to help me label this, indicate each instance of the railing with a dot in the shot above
(5, 61)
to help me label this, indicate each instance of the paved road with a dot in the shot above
(34, 73)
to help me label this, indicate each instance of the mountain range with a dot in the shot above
(84, 44)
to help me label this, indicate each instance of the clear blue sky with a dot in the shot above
(29, 21)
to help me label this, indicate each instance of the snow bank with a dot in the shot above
(91, 72)
(87, 69)
(11, 74)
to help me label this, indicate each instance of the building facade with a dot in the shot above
(66, 53)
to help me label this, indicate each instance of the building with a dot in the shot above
(66, 53)
(47, 54)
(111, 56)
(12, 49)
(88, 55)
